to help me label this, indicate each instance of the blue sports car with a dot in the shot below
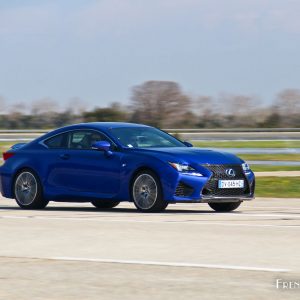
(105, 163)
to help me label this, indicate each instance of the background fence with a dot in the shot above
(186, 134)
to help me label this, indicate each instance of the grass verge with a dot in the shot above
(272, 157)
(5, 146)
(267, 168)
(278, 187)
(248, 144)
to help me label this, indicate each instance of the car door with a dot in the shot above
(80, 172)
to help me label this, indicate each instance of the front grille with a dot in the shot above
(211, 188)
(183, 190)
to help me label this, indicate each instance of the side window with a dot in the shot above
(84, 139)
(57, 142)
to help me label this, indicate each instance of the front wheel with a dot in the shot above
(225, 207)
(28, 191)
(146, 192)
(105, 204)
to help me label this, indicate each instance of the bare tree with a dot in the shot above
(288, 102)
(76, 106)
(238, 105)
(18, 108)
(44, 106)
(2, 105)
(44, 113)
(288, 106)
(159, 103)
(204, 106)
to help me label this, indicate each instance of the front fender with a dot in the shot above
(131, 164)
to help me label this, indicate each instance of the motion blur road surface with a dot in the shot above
(72, 251)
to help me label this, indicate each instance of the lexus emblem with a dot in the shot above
(230, 172)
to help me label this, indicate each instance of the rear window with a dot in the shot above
(77, 139)
(58, 141)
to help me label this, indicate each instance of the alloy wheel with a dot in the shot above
(145, 191)
(26, 188)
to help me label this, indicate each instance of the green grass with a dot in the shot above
(280, 187)
(267, 168)
(256, 144)
(248, 144)
(272, 157)
(5, 146)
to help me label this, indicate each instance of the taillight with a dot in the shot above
(7, 155)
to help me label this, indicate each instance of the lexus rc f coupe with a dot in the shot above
(105, 163)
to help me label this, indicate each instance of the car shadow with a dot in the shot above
(132, 210)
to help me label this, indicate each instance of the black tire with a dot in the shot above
(28, 190)
(105, 204)
(225, 207)
(146, 192)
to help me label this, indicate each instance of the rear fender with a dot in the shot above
(17, 146)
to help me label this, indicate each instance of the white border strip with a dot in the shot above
(170, 264)
(183, 222)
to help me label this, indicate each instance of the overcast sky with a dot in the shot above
(97, 50)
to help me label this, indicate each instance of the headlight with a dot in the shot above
(246, 167)
(186, 169)
(181, 167)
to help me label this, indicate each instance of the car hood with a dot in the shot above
(191, 155)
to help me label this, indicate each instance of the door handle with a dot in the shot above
(64, 156)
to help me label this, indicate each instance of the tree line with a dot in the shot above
(163, 104)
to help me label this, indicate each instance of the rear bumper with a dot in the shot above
(5, 183)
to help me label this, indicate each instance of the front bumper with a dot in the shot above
(205, 189)
(216, 200)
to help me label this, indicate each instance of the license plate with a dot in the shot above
(230, 184)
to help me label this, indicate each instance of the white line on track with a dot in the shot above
(275, 207)
(183, 222)
(239, 215)
(170, 264)
(277, 215)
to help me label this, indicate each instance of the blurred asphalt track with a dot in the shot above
(72, 251)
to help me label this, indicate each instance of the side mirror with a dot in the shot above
(188, 144)
(102, 146)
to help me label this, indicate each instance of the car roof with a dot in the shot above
(109, 125)
(103, 126)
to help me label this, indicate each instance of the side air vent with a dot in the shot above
(183, 190)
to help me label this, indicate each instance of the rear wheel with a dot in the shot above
(225, 207)
(105, 204)
(28, 191)
(146, 192)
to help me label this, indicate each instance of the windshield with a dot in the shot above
(144, 137)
